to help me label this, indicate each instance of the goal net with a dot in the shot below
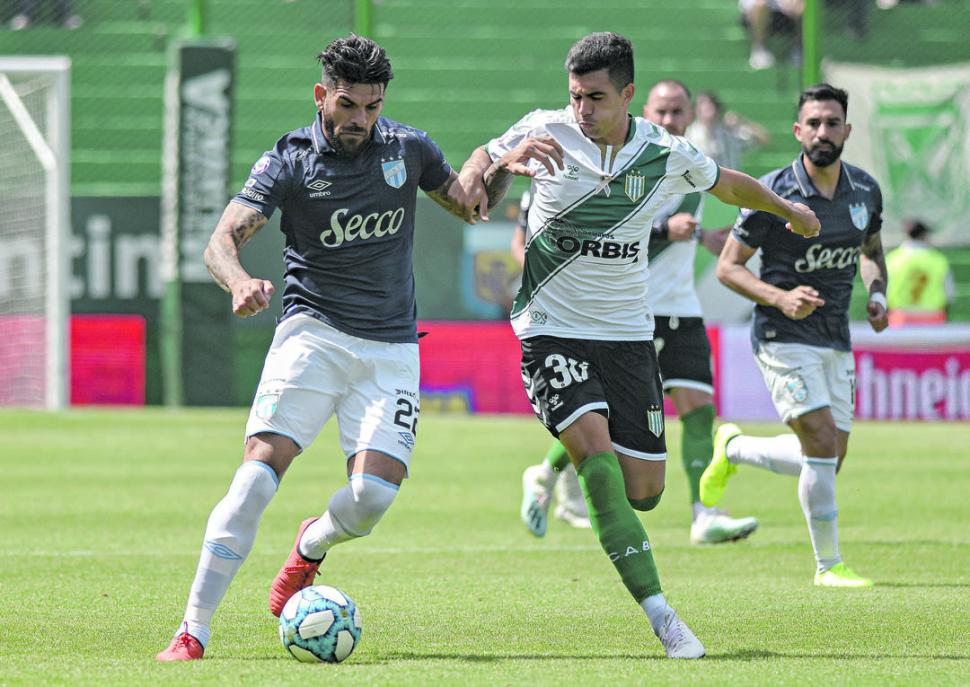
(34, 231)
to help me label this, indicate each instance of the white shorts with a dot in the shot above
(804, 378)
(313, 371)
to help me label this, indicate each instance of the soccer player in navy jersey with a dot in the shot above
(800, 332)
(346, 342)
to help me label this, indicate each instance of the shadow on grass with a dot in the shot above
(758, 654)
(917, 585)
(741, 655)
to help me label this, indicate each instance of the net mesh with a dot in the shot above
(23, 209)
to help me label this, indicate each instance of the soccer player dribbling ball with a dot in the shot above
(346, 343)
(588, 362)
(800, 331)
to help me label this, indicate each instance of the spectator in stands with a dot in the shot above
(723, 135)
(29, 12)
(921, 282)
(763, 18)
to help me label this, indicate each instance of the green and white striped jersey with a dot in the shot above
(585, 273)
(671, 291)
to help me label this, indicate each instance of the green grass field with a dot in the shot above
(102, 514)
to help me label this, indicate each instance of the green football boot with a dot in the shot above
(716, 474)
(841, 575)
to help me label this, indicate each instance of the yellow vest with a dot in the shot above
(917, 277)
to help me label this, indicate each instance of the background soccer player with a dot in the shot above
(346, 343)
(679, 335)
(588, 361)
(801, 324)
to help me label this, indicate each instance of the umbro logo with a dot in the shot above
(318, 187)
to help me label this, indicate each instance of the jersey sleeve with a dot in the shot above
(523, 128)
(689, 169)
(752, 227)
(268, 183)
(435, 169)
(875, 220)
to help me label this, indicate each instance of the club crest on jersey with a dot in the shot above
(860, 215)
(395, 173)
(634, 186)
(655, 421)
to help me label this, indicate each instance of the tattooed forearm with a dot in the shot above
(497, 179)
(443, 196)
(237, 225)
(872, 265)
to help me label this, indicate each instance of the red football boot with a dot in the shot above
(296, 574)
(184, 647)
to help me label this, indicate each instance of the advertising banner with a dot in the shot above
(911, 131)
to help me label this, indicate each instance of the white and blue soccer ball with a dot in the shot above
(320, 624)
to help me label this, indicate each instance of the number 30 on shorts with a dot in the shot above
(567, 370)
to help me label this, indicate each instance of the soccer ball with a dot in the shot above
(320, 623)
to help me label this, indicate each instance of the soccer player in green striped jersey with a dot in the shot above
(588, 361)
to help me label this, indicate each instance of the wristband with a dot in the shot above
(698, 232)
(661, 231)
(879, 298)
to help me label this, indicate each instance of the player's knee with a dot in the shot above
(647, 503)
(367, 498)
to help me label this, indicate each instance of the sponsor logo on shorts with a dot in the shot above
(655, 420)
(555, 403)
(407, 439)
(796, 388)
(266, 405)
(629, 551)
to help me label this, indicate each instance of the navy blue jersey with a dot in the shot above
(828, 262)
(349, 224)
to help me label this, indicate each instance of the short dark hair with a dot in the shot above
(915, 229)
(824, 91)
(603, 50)
(676, 84)
(355, 59)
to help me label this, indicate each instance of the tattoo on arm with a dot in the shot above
(441, 197)
(497, 182)
(237, 225)
(872, 266)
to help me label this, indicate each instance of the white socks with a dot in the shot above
(781, 454)
(353, 512)
(816, 492)
(229, 537)
(656, 607)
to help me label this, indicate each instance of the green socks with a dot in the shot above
(697, 445)
(557, 457)
(617, 527)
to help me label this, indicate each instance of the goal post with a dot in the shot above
(34, 231)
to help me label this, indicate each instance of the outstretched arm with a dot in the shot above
(872, 268)
(456, 199)
(237, 225)
(737, 188)
(733, 272)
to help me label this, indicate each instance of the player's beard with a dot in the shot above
(823, 155)
(348, 148)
